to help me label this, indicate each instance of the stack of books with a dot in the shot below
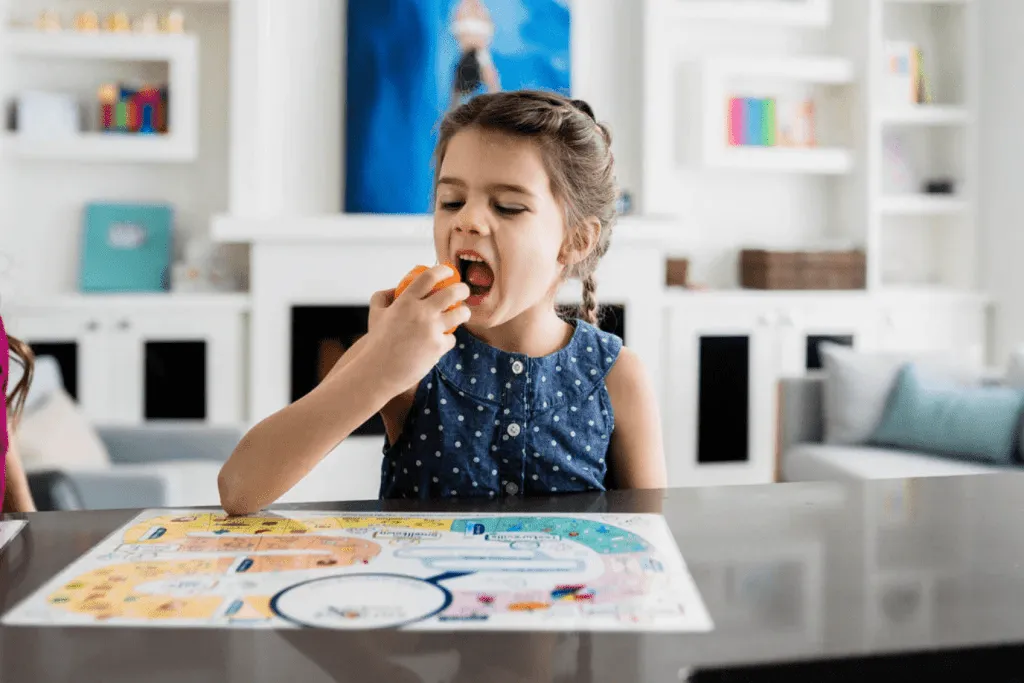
(770, 122)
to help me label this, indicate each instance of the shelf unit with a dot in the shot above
(180, 53)
(716, 80)
(919, 240)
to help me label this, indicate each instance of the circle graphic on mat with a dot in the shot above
(360, 601)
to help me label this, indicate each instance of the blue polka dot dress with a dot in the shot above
(487, 423)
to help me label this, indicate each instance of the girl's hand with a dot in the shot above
(407, 336)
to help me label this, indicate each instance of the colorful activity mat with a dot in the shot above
(434, 572)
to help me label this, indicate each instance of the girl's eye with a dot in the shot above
(451, 206)
(509, 210)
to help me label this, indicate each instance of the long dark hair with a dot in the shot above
(22, 354)
(577, 154)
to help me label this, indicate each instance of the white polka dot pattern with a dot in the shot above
(465, 410)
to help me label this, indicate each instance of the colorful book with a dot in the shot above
(768, 122)
(737, 118)
(754, 121)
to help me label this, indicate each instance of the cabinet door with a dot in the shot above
(178, 366)
(722, 397)
(951, 327)
(77, 342)
(805, 326)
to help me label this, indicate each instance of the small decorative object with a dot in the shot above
(118, 22)
(174, 22)
(87, 22)
(940, 186)
(624, 204)
(130, 110)
(48, 115)
(126, 247)
(677, 272)
(147, 23)
(761, 269)
(203, 269)
(48, 21)
(899, 177)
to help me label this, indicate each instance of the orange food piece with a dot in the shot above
(419, 270)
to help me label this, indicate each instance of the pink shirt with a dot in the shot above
(5, 366)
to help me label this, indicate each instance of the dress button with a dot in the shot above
(517, 367)
(513, 430)
(511, 488)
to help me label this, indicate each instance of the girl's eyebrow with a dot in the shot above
(495, 187)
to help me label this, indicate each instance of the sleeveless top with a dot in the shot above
(488, 423)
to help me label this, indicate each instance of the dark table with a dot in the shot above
(800, 579)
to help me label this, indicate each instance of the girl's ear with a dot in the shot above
(582, 243)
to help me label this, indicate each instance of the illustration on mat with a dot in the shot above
(354, 571)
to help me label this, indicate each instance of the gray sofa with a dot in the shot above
(804, 455)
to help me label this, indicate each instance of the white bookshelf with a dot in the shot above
(177, 53)
(917, 240)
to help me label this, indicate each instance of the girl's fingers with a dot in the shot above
(455, 317)
(382, 299)
(422, 285)
(448, 297)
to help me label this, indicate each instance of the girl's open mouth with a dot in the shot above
(476, 273)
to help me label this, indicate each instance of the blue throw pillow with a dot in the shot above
(977, 423)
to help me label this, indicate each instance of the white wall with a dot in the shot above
(42, 200)
(1002, 168)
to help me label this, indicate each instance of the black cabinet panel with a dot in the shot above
(723, 419)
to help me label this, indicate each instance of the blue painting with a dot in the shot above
(410, 61)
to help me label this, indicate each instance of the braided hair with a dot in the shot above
(576, 149)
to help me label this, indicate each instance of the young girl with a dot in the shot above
(517, 401)
(15, 496)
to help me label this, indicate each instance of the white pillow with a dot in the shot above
(1015, 371)
(57, 436)
(857, 387)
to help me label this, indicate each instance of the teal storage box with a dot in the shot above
(126, 248)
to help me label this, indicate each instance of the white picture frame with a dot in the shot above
(779, 12)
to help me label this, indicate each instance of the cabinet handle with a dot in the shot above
(92, 326)
(123, 325)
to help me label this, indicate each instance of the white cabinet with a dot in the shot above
(802, 324)
(81, 345)
(727, 351)
(128, 359)
(721, 397)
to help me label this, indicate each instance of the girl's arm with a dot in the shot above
(17, 497)
(636, 450)
(406, 338)
(282, 449)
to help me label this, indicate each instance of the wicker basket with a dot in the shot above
(677, 272)
(760, 269)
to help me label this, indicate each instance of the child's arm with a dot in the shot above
(17, 497)
(636, 450)
(405, 341)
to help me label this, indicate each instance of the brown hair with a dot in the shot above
(21, 353)
(577, 155)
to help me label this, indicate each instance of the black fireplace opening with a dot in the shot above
(320, 336)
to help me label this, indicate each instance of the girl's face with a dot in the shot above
(498, 222)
